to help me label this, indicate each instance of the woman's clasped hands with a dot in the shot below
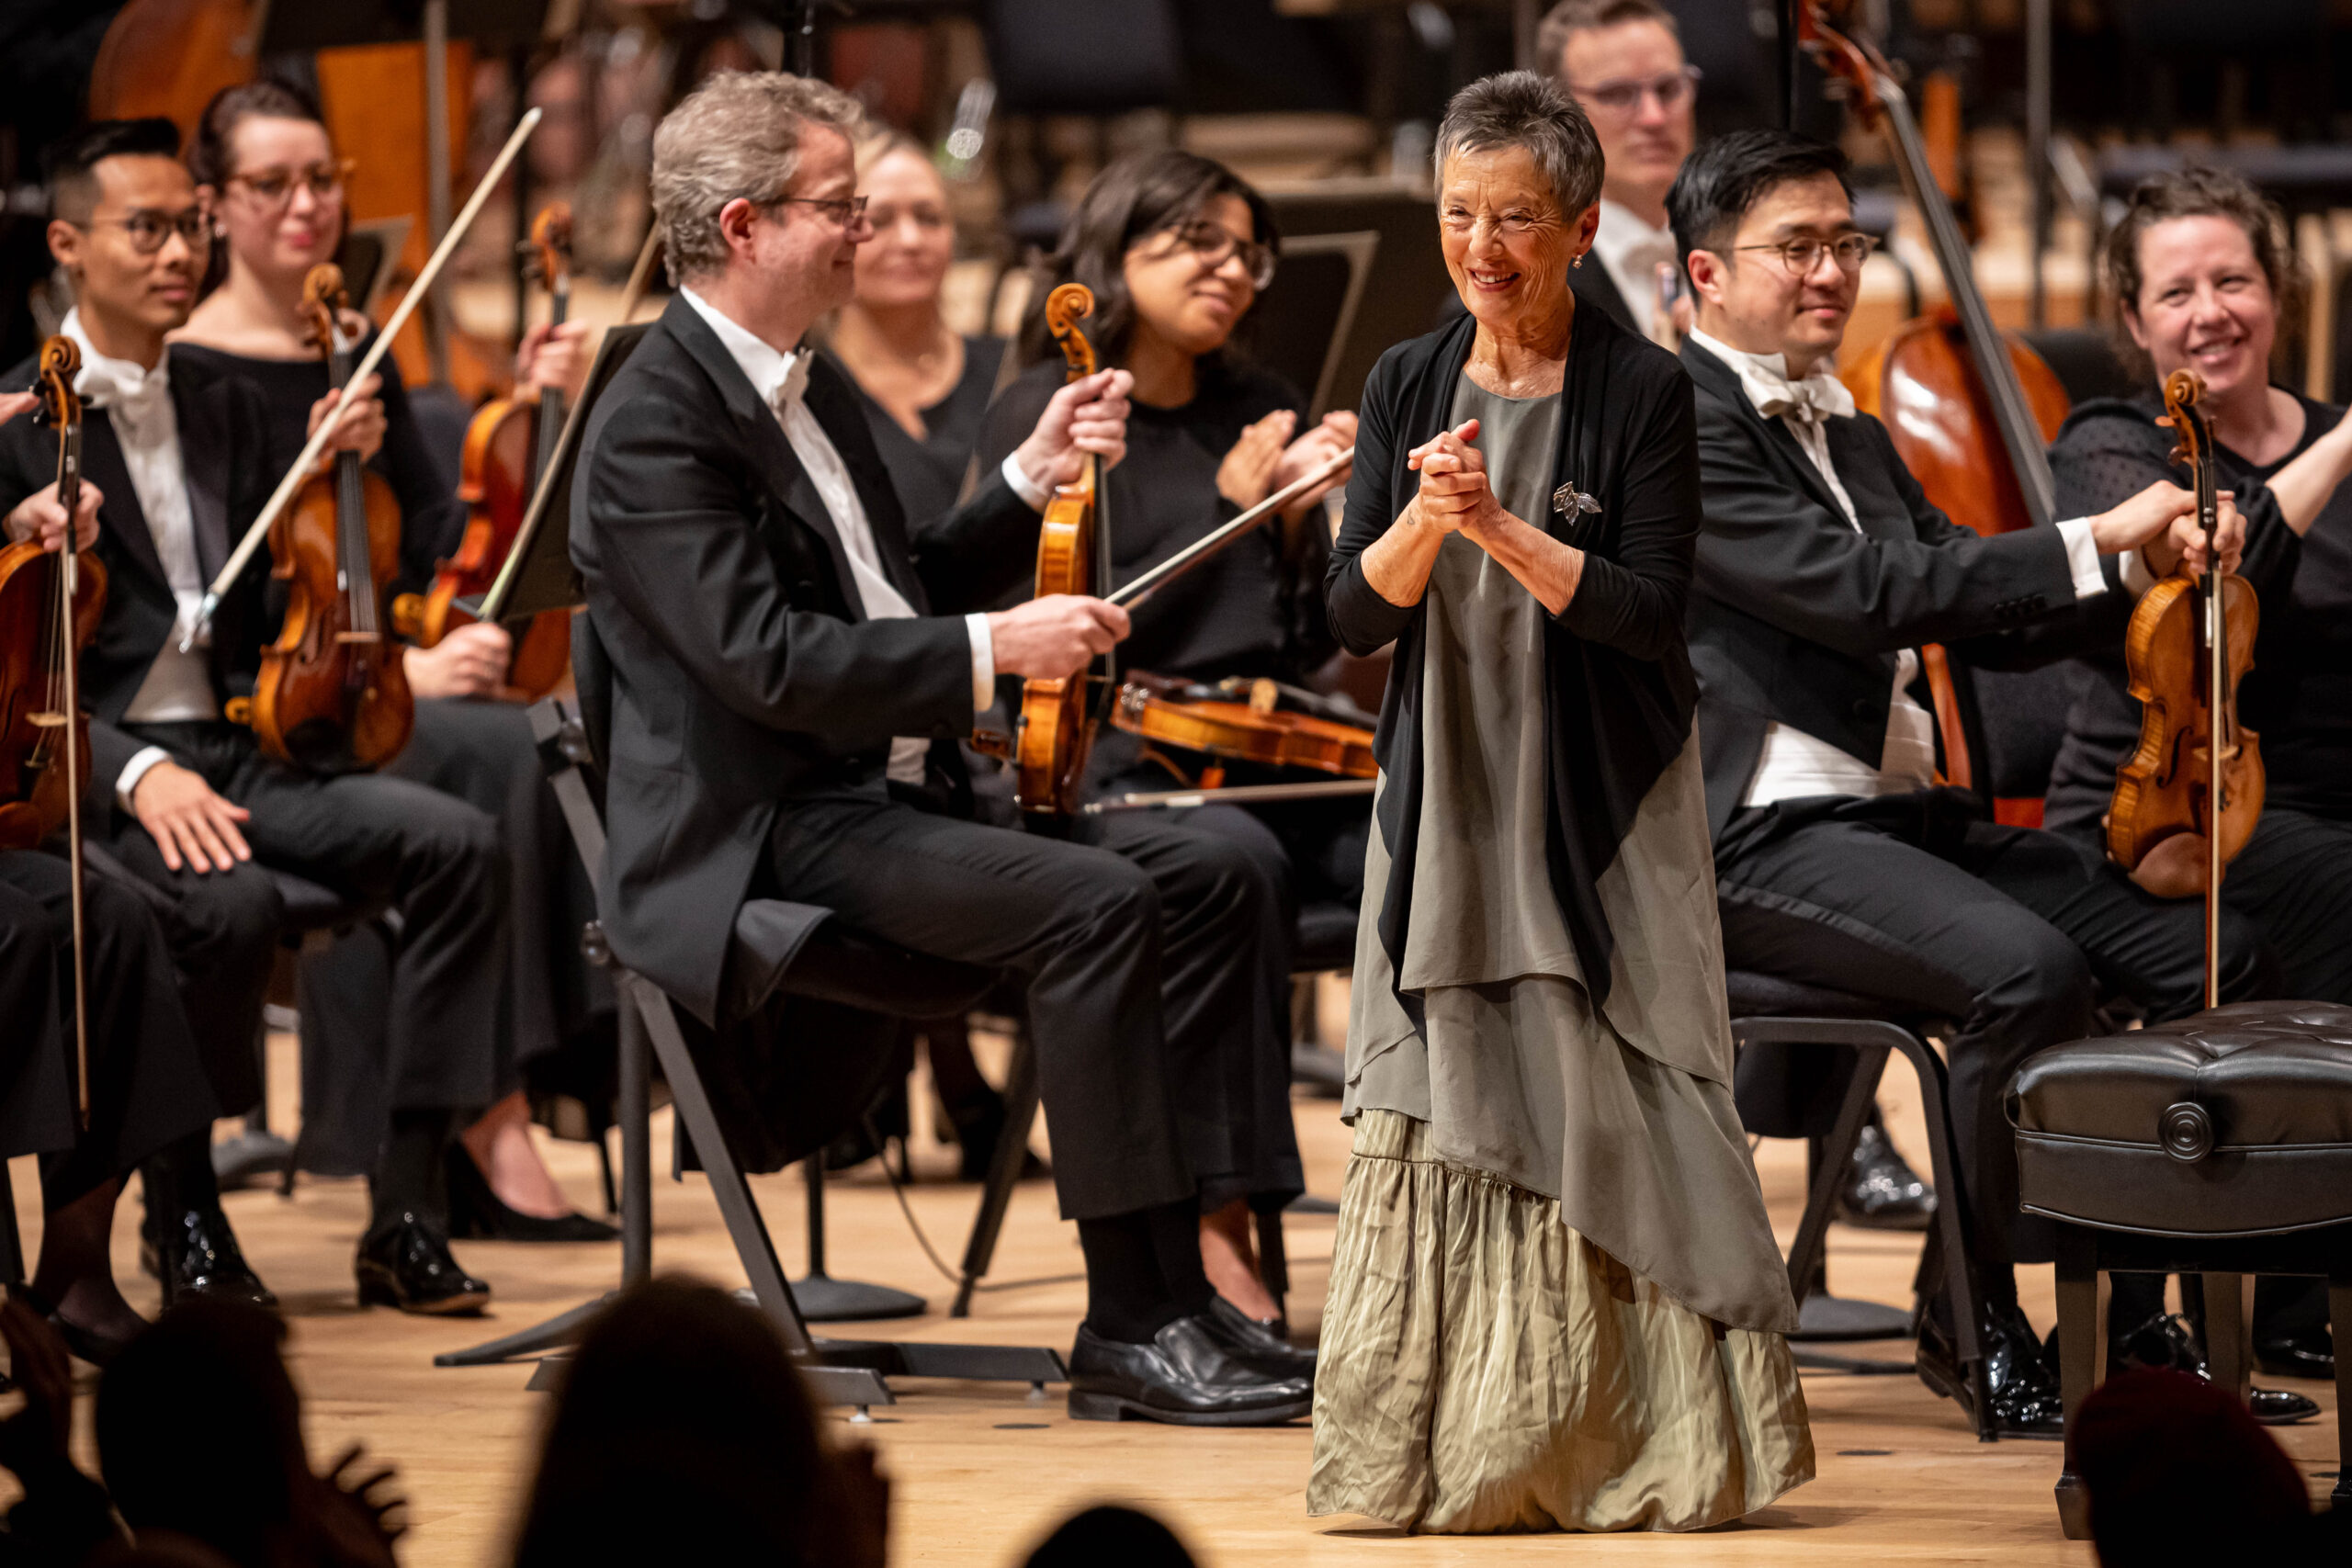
(1454, 496)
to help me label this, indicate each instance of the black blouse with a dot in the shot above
(1620, 693)
(432, 521)
(2297, 696)
(1247, 611)
(929, 473)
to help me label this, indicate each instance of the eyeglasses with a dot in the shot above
(1801, 256)
(1461, 220)
(846, 212)
(1213, 245)
(275, 187)
(149, 230)
(1624, 94)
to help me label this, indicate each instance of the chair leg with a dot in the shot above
(2229, 1349)
(636, 1110)
(1958, 1264)
(2339, 1316)
(1004, 1170)
(1806, 1254)
(1273, 1259)
(2079, 1334)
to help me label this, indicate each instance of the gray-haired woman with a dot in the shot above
(1555, 1302)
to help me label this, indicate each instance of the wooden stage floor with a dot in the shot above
(980, 1472)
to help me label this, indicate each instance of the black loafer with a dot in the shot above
(1259, 1344)
(407, 1264)
(97, 1349)
(2281, 1408)
(2024, 1395)
(199, 1256)
(477, 1213)
(1883, 1193)
(2310, 1354)
(1186, 1376)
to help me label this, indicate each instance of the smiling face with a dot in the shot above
(1181, 296)
(914, 239)
(129, 297)
(276, 221)
(802, 248)
(1645, 142)
(1750, 300)
(2204, 304)
(1508, 245)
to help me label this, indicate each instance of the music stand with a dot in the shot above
(1305, 318)
(1405, 284)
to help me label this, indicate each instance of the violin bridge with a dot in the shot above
(358, 637)
(49, 719)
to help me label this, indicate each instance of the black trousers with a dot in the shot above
(481, 754)
(1144, 1002)
(432, 861)
(147, 1085)
(1912, 900)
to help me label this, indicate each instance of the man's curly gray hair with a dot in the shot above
(736, 135)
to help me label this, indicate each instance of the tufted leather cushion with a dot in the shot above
(2236, 1121)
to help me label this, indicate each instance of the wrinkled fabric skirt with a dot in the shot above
(1485, 1367)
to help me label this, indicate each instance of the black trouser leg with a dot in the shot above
(1081, 925)
(408, 1178)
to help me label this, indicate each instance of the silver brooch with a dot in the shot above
(1568, 500)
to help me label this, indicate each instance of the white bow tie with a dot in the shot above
(1813, 401)
(122, 389)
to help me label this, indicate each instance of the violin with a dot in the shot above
(50, 603)
(1252, 729)
(508, 446)
(1971, 409)
(333, 696)
(1058, 721)
(2189, 642)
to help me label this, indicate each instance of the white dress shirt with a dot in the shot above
(782, 380)
(1794, 763)
(1632, 250)
(178, 687)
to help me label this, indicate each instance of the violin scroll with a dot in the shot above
(324, 298)
(61, 405)
(1064, 306)
(550, 245)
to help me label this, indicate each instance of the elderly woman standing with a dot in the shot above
(1555, 1302)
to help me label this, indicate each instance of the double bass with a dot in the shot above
(2189, 795)
(1971, 409)
(507, 447)
(50, 603)
(333, 696)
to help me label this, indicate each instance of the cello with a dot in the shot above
(508, 446)
(50, 603)
(1971, 409)
(2189, 642)
(333, 696)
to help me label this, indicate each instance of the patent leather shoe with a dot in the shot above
(407, 1264)
(199, 1256)
(2023, 1394)
(2168, 1342)
(1881, 1192)
(2310, 1354)
(1186, 1376)
(94, 1345)
(1259, 1343)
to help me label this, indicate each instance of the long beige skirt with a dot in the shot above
(1485, 1367)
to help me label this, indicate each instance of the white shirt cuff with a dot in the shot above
(983, 660)
(135, 770)
(1032, 494)
(2137, 577)
(2082, 557)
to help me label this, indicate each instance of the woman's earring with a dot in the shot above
(1578, 262)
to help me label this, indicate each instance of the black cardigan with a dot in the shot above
(1619, 688)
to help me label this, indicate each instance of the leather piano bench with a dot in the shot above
(2219, 1144)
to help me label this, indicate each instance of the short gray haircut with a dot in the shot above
(1520, 108)
(737, 135)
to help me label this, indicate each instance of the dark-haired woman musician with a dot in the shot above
(2203, 272)
(1176, 249)
(275, 183)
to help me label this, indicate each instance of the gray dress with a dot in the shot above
(1556, 1298)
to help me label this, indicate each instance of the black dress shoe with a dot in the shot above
(2281, 1408)
(1882, 1193)
(92, 1345)
(2310, 1354)
(199, 1257)
(1186, 1376)
(477, 1213)
(406, 1264)
(2168, 1342)
(1259, 1343)
(2024, 1394)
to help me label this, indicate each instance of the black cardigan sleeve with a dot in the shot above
(1633, 600)
(1359, 618)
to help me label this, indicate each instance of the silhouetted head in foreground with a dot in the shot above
(2176, 1467)
(1111, 1534)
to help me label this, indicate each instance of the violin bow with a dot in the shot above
(1139, 588)
(291, 485)
(60, 360)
